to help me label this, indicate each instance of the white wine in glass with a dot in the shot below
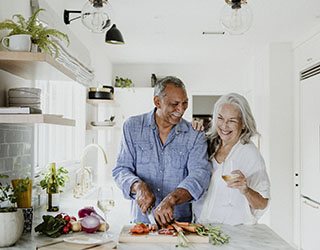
(228, 176)
(105, 202)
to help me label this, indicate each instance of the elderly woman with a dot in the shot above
(239, 187)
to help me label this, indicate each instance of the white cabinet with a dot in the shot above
(310, 137)
(310, 221)
(308, 53)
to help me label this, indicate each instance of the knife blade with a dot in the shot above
(151, 218)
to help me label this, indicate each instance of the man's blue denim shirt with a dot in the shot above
(182, 162)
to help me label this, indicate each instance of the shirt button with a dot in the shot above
(158, 189)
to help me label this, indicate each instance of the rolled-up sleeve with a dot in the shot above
(124, 173)
(199, 169)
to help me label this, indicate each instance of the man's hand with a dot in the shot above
(164, 211)
(144, 197)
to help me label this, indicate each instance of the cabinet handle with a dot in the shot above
(311, 205)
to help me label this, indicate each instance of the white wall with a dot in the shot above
(273, 101)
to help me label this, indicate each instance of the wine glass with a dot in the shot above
(227, 176)
(105, 202)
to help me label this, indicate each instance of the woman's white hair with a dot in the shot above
(247, 119)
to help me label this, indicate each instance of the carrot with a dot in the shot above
(180, 224)
(188, 226)
(176, 227)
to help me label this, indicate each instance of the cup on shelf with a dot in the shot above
(20, 42)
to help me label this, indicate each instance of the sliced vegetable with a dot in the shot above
(89, 211)
(90, 224)
(190, 227)
(183, 241)
(216, 235)
(85, 212)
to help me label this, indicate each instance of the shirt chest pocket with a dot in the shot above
(144, 152)
(179, 156)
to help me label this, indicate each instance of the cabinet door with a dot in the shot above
(310, 133)
(310, 221)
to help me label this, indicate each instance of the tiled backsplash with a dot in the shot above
(16, 150)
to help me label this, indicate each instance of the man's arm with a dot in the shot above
(124, 171)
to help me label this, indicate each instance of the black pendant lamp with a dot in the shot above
(114, 36)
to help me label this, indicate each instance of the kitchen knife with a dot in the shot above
(151, 217)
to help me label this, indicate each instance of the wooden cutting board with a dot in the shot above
(126, 237)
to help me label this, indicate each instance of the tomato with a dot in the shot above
(65, 229)
(66, 218)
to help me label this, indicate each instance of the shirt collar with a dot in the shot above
(182, 126)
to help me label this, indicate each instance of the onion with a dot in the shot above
(85, 212)
(90, 224)
(89, 211)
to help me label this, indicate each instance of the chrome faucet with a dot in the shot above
(84, 174)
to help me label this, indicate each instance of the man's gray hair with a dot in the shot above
(164, 82)
(247, 119)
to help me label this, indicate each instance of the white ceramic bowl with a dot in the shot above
(24, 100)
(24, 92)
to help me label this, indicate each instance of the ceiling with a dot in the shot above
(170, 31)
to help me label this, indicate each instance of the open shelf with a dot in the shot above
(90, 127)
(101, 101)
(34, 66)
(36, 118)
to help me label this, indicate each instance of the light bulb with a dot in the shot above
(95, 18)
(236, 20)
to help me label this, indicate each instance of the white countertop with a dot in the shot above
(246, 237)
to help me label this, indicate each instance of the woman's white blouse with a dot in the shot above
(222, 204)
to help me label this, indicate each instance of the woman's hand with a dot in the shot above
(255, 199)
(238, 181)
(197, 125)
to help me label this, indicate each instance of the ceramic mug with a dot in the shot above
(17, 42)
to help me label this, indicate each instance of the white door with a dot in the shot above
(310, 221)
(310, 137)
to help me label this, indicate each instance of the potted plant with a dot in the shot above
(12, 222)
(54, 179)
(23, 191)
(40, 35)
(123, 82)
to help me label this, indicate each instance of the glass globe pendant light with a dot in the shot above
(236, 17)
(94, 15)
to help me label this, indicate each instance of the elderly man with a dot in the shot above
(163, 163)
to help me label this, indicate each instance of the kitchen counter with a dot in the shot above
(244, 237)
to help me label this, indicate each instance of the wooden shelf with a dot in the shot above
(36, 118)
(101, 101)
(90, 127)
(34, 66)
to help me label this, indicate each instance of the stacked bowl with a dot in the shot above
(25, 97)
